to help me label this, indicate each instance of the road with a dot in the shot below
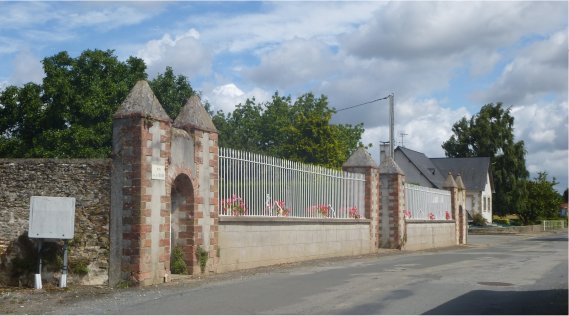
(492, 275)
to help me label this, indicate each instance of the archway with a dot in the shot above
(182, 220)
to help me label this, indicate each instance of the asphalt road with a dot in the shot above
(492, 275)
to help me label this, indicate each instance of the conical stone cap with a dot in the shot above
(360, 158)
(459, 183)
(141, 102)
(194, 116)
(449, 182)
(389, 166)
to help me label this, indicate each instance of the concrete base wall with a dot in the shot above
(249, 242)
(430, 234)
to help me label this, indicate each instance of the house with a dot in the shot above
(432, 172)
(563, 210)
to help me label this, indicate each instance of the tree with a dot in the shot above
(565, 196)
(542, 200)
(70, 113)
(490, 133)
(299, 130)
(172, 92)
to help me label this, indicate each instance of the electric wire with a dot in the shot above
(368, 102)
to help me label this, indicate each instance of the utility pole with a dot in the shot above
(391, 126)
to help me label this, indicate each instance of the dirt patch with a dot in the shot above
(15, 300)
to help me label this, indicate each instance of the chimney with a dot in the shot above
(383, 151)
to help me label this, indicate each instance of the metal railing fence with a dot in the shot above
(427, 203)
(257, 185)
(553, 224)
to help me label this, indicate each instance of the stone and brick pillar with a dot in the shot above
(361, 162)
(461, 203)
(140, 210)
(195, 120)
(451, 185)
(392, 200)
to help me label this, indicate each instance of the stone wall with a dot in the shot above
(86, 180)
(249, 242)
(430, 234)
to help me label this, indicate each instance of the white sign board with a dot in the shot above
(158, 172)
(51, 217)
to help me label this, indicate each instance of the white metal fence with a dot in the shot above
(553, 224)
(427, 203)
(257, 185)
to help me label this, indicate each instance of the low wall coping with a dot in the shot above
(291, 220)
(428, 221)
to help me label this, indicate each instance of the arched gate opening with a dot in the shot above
(182, 220)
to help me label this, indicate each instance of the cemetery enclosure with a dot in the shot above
(167, 187)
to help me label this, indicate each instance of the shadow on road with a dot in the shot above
(483, 302)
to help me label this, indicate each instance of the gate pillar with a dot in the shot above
(362, 162)
(392, 197)
(195, 120)
(140, 198)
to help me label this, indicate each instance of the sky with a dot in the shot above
(441, 60)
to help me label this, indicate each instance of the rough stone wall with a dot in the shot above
(88, 180)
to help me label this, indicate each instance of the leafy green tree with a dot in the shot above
(70, 113)
(565, 196)
(542, 201)
(172, 91)
(490, 133)
(299, 130)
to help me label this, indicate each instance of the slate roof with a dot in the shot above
(473, 171)
(425, 167)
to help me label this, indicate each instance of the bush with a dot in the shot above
(503, 221)
(177, 262)
(478, 220)
(202, 256)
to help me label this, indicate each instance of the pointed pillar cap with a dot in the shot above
(141, 102)
(449, 182)
(194, 116)
(360, 158)
(459, 182)
(389, 166)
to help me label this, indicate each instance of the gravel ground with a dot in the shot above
(27, 301)
(45, 301)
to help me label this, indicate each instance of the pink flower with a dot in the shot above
(447, 216)
(431, 216)
(234, 205)
(354, 213)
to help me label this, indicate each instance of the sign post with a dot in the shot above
(51, 218)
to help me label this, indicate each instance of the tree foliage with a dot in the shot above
(172, 91)
(70, 113)
(542, 201)
(299, 130)
(490, 133)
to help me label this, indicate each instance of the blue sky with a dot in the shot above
(443, 60)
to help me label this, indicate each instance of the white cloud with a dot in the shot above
(184, 53)
(27, 67)
(226, 97)
(553, 162)
(293, 63)
(543, 126)
(538, 70)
